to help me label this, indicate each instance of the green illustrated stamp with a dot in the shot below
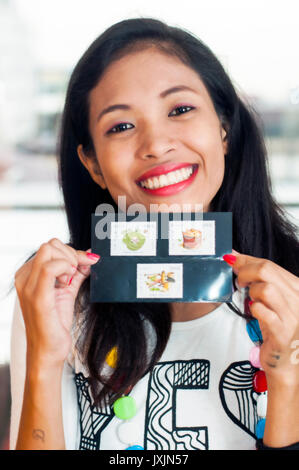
(134, 240)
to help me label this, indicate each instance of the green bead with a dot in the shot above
(125, 407)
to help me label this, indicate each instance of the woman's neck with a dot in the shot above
(181, 311)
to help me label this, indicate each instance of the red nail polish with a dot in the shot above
(93, 255)
(250, 303)
(230, 259)
(70, 281)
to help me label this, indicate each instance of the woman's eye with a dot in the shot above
(119, 128)
(123, 126)
(182, 110)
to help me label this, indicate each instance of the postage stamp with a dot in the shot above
(160, 280)
(133, 239)
(193, 237)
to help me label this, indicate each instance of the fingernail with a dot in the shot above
(250, 302)
(230, 259)
(70, 281)
(93, 256)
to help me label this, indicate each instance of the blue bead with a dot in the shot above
(260, 428)
(253, 330)
(135, 448)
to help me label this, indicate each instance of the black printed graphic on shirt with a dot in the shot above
(92, 419)
(161, 428)
(164, 429)
(238, 397)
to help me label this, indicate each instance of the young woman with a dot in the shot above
(148, 96)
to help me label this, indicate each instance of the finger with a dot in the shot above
(69, 252)
(48, 273)
(82, 261)
(78, 278)
(266, 317)
(263, 269)
(59, 250)
(279, 333)
(64, 280)
(86, 258)
(256, 271)
(47, 252)
(273, 298)
(83, 270)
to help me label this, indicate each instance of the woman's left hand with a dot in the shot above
(274, 292)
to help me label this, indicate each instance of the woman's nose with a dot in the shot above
(155, 142)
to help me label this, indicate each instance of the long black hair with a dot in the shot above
(259, 226)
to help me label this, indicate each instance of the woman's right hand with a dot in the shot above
(47, 287)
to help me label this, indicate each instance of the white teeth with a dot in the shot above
(150, 184)
(179, 176)
(156, 182)
(175, 177)
(172, 177)
(163, 180)
(185, 173)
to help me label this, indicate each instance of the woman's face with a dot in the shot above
(157, 144)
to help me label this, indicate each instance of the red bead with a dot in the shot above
(128, 390)
(247, 306)
(118, 384)
(259, 382)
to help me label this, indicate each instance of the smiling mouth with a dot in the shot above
(170, 178)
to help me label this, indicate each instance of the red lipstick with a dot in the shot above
(171, 188)
(162, 170)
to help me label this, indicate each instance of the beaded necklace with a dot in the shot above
(125, 407)
(259, 381)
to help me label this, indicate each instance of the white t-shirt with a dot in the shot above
(198, 396)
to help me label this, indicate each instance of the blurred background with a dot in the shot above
(40, 43)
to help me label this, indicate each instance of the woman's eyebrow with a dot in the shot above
(163, 94)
